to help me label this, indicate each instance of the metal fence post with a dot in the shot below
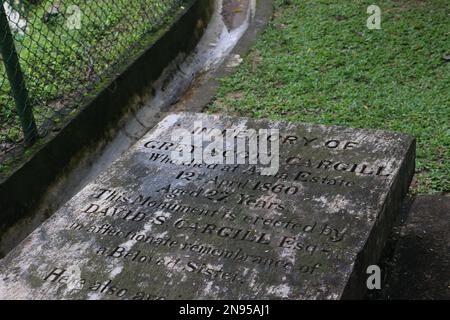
(16, 80)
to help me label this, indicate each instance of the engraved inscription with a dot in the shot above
(149, 228)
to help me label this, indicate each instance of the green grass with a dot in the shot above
(317, 62)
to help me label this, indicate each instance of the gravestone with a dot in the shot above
(152, 227)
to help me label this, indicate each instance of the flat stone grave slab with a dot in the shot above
(150, 227)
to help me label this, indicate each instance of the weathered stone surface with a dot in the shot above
(148, 229)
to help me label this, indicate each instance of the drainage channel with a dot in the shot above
(228, 24)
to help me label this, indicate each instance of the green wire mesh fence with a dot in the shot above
(55, 52)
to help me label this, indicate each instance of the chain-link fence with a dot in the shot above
(55, 52)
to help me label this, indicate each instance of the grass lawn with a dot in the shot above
(317, 62)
